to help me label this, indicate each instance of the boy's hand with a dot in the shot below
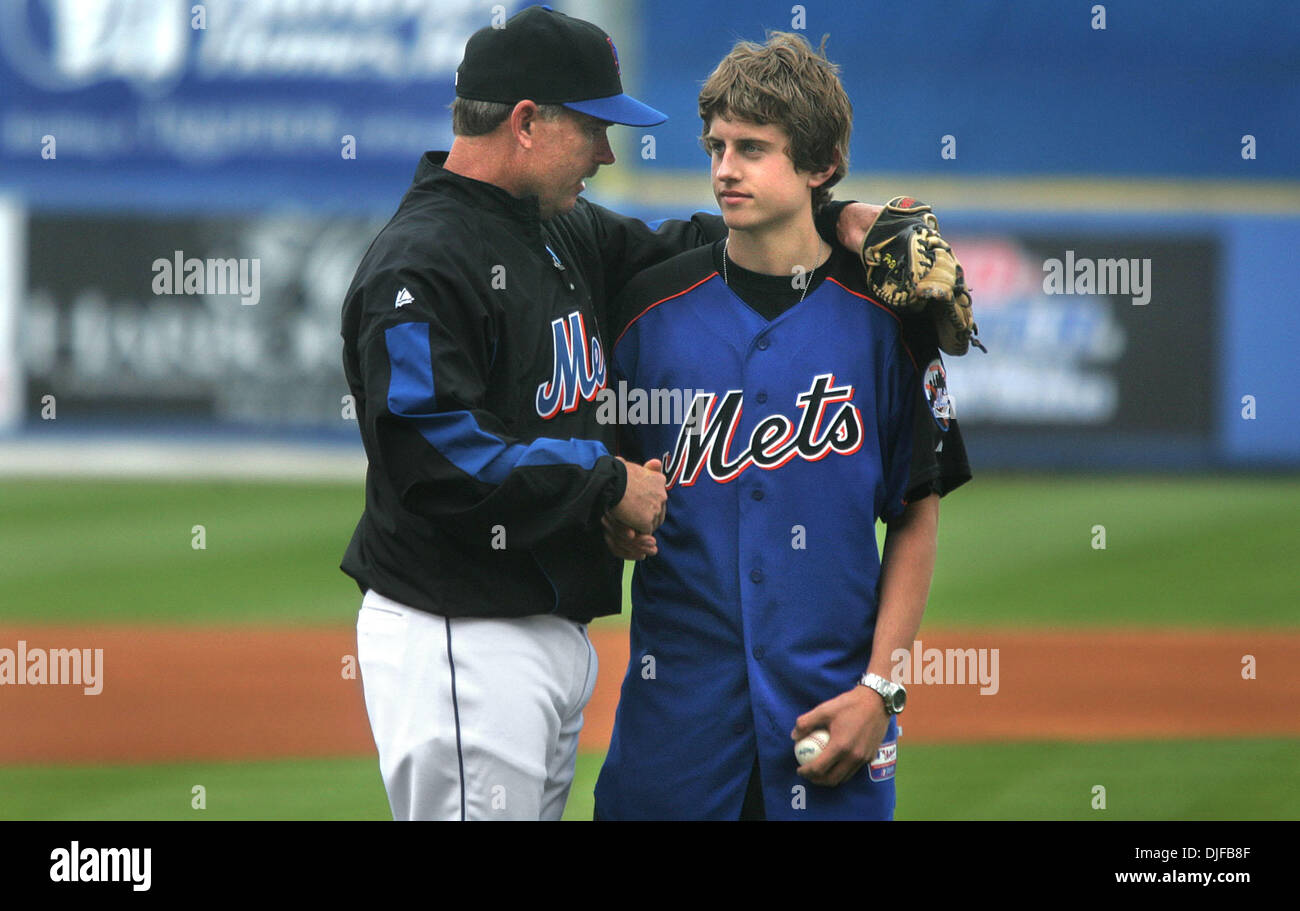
(857, 723)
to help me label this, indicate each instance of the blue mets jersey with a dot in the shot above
(783, 441)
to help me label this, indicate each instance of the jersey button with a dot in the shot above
(739, 727)
(756, 493)
(759, 652)
(762, 344)
(761, 398)
(756, 576)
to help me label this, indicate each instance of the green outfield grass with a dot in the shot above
(1187, 552)
(121, 551)
(1193, 779)
(1221, 779)
(329, 789)
(1191, 552)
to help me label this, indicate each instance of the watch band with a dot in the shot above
(887, 690)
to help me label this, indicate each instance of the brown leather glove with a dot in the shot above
(911, 268)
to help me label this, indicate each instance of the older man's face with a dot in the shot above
(569, 149)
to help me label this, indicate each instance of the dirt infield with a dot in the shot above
(259, 693)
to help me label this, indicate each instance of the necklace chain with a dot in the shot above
(807, 284)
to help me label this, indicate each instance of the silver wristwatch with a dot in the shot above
(893, 693)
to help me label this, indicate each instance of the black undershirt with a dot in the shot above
(767, 295)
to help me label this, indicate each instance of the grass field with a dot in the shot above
(1195, 552)
(1204, 780)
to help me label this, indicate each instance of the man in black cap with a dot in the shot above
(544, 72)
(473, 348)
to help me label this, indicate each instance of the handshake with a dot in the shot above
(630, 525)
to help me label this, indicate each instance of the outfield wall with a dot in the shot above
(1170, 358)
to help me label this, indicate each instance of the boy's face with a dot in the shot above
(754, 180)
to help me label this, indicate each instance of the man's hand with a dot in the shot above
(857, 722)
(626, 543)
(645, 501)
(855, 221)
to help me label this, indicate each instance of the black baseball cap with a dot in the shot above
(550, 58)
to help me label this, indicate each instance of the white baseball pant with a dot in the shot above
(474, 718)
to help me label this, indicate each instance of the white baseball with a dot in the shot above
(808, 749)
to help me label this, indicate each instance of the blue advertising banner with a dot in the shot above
(234, 104)
(222, 101)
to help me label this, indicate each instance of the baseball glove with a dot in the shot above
(911, 268)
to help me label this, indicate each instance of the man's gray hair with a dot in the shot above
(478, 118)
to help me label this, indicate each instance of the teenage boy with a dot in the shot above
(763, 611)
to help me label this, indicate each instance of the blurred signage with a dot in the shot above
(1092, 332)
(223, 319)
(238, 319)
(205, 83)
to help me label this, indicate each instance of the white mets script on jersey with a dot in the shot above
(775, 440)
(578, 368)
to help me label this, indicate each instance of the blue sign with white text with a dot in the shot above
(124, 97)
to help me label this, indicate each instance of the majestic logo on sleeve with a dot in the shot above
(578, 370)
(706, 438)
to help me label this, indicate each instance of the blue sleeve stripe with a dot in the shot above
(456, 434)
(410, 382)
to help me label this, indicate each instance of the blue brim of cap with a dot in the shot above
(622, 109)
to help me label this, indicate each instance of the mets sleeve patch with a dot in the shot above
(942, 406)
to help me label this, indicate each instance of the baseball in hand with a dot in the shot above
(811, 747)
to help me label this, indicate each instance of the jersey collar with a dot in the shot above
(431, 175)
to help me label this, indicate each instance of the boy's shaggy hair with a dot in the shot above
(787, 83)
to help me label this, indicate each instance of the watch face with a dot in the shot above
(893, 694)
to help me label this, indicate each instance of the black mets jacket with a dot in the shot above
(473, 346)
